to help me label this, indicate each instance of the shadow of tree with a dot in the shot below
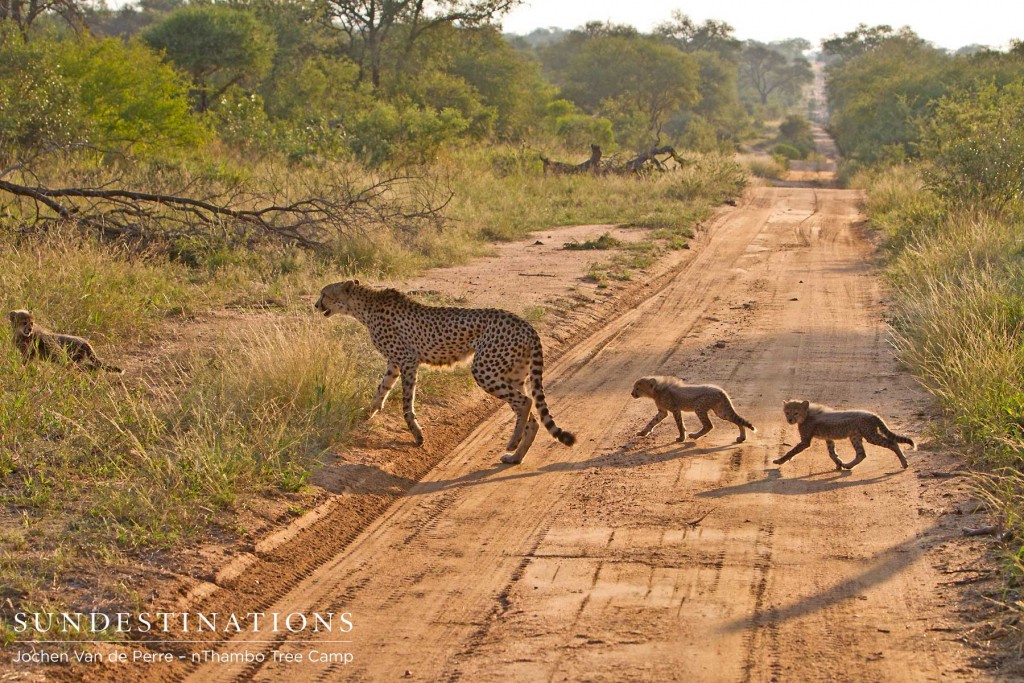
(883, 566)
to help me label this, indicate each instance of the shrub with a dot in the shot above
(975, 146)
(787, 151)
(112, 94)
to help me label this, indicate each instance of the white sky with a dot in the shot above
(947, 24)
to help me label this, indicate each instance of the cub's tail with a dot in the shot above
(888, 433)
(732, 416)
(536, 379)
(96, 364)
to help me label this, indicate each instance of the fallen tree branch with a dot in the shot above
(591, 165)
(314, 222)
(650, 157)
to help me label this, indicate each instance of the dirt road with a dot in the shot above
(628, 558)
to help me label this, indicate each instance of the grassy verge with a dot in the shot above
(957, 276)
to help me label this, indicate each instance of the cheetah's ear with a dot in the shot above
(11, 316)
(805, 404)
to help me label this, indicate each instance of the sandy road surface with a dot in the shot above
(628, 558)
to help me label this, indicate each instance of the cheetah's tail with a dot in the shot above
(536, 378)
(894, 436)
(735, 418)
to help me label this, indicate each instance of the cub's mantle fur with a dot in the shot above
(36, 341)
(856, 425)
(671, 395)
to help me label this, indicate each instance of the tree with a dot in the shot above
(636, 79)
(218, 46)
(711, 36)
(370, 26)
(23, 13)
(863, 39)
(768, 70)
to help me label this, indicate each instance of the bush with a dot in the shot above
(787, 151)
(576, 130)
(795, 131)
(112, 94)
(39, 102)
(404, 132)
(975, 145)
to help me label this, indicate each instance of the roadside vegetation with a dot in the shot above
(178, 180)
(941, 156)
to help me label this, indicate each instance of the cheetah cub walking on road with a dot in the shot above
(671, 395)
(33, 340)
(856, 425)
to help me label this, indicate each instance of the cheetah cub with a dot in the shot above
(671, 395)
(856, 425)
(33, 340)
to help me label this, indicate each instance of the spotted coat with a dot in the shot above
(504, 347)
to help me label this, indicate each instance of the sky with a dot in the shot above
(946, 24)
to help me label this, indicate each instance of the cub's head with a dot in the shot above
(337, 297)
(22, 322)
(795, 411)
(643, 387)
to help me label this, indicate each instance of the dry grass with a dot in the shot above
(763, 166)
(958, 280)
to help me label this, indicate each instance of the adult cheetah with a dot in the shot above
(505, 349)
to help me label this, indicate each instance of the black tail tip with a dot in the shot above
(566, 438)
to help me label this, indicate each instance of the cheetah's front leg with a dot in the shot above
(800, 447)
(832, 454)
(661, 415)
(386, 382)
(409, 370)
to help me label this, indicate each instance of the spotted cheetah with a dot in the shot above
(34, 340)
(856, 425)
(672, 396)
(505, 349)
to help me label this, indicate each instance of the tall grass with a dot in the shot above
(494, 203)
(95, 466)
(958, 282)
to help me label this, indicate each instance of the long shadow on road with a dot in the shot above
(775, 484)
(883, 566)
(622, 457)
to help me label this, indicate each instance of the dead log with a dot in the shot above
(591, 165)
(650, 159)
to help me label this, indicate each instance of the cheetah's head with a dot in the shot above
(795, 411)
(337, 298)
(22, 322)
(643, 387)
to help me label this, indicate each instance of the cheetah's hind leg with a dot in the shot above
(529, 434)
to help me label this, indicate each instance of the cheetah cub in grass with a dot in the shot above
(671, 395)
(856, 425)
(33, 340)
